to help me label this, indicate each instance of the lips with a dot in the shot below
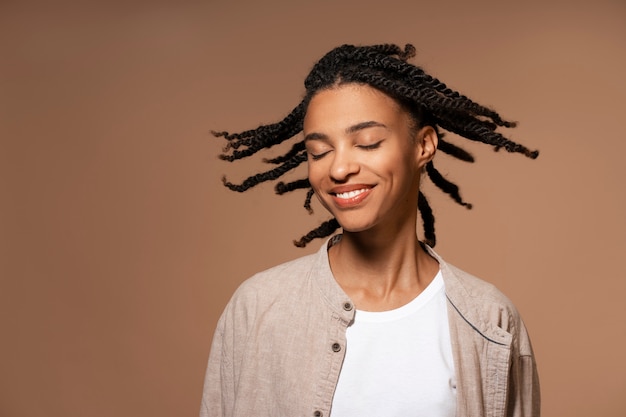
(350, 196)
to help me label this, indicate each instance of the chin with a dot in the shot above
(355, 227)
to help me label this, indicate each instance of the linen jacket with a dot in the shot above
(280, 343)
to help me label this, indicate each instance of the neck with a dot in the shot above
(380, 271)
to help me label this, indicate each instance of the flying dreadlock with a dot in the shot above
(384, 67)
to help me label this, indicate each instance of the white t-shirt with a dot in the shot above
(399, 362)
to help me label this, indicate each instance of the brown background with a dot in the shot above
(119, 247)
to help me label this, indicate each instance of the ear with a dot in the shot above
(426, 142)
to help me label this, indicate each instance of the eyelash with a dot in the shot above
(318, 156)
(371, 147)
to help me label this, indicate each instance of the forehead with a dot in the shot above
(348, 104)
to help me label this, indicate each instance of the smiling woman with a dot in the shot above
(375, 323)
(365, 154)
(427, 100)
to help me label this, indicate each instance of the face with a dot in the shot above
(364, 157)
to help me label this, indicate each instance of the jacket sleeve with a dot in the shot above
(524, 398)
(218, 389)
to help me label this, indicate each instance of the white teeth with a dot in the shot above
(351, 194)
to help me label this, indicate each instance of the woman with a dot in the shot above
(374, 323)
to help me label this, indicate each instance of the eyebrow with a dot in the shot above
(349, 130)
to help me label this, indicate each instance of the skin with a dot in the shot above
(359, 139)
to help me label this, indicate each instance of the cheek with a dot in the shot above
(317, 177)
(314, 175)
(396, 163)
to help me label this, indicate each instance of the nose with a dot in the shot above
(343, 165)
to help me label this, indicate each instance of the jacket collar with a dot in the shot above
(465, 293)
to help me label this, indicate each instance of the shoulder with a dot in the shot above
(480, 303)
(271, 286)
(486, 309)
(279, 276)
(475, 289)
(463, 286)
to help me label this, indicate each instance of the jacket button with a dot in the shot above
(317, 413)
(336, 347)
(347, 306)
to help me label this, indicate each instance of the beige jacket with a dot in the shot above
(280, 344)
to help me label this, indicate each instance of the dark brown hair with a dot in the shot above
(384, 67)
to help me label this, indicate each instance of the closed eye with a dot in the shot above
(317, 156)
(372, 146)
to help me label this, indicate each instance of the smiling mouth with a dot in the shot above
(351, 198)
(350, 194)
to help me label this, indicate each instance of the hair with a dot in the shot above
(384, 67)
